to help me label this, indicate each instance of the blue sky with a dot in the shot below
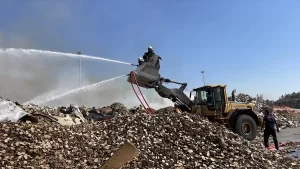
(251, 46)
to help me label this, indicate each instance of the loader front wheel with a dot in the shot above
(246, 127)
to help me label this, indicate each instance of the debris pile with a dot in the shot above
(91, 114)
(287, 120)
(164, 141)
(33, 109)
(258, 100)
(242, 97)
(168, 139)
(84, 114)
(166, 110)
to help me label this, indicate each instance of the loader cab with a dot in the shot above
(212, 98)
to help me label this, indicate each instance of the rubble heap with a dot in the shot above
(89, 114)
(59, 111)
(166, 110)
(33, 109)
(164, 141)
(287, 120)
(284, 118)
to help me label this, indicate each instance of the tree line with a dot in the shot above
(291, 100)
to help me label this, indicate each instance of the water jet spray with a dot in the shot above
(72, 55)
(76, 90)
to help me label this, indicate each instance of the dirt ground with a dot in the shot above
(289, 135)
(296, 113)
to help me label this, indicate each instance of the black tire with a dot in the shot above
(250, 123)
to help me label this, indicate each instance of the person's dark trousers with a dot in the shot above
(267, 134)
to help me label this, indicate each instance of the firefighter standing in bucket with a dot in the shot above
(151, 57)
(148, 54)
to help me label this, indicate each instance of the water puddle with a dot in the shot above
(295, 154)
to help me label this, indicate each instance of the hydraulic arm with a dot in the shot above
(147, 76)
(176, 94)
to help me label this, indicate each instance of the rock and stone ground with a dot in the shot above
(165, 140)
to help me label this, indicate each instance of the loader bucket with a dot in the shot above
(145, 75)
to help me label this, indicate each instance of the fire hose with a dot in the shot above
(133, 77)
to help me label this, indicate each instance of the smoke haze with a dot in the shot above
(25, 77)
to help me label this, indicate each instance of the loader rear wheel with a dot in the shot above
(246, 127)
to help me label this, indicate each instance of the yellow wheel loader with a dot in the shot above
(210, 101)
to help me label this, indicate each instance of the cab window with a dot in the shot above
(218, 96)
(217, 92)
(201, 97)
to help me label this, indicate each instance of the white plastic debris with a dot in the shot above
(77, 112)
(10, 112)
